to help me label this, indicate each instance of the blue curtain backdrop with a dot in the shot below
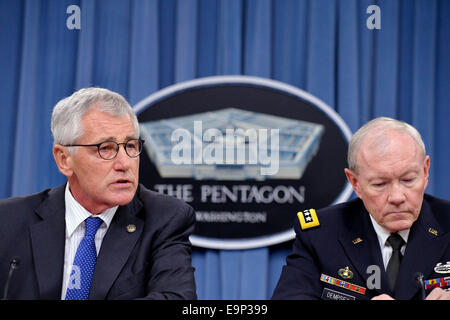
(138, 47)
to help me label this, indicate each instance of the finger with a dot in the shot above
(382, 297)
(438, 294)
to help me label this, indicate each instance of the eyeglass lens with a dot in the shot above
(109, 149)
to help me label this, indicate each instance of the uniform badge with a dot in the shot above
(308, 219)
(433, 231)
(442, 268)
(357, 240)
(345, 273)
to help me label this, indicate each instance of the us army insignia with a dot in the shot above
(345, 273)
(308, 219)
(442, 268)
(433, 231)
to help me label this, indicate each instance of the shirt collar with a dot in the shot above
(76, 213)
(383, 234)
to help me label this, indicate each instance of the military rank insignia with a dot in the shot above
(308, 219)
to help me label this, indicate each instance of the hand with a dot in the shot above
(382, 297)
(438, 294)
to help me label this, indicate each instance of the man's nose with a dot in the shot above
(122, 160)
(396, 193)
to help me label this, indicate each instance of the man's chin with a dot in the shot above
(121, 198)
(398, 225)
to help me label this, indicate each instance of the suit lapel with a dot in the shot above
(423, 251)
(116, 248)
(47, 242)
(361, 245)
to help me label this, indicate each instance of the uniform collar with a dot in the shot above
(383, 233)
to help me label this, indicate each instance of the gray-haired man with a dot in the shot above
(382, 245)
(102, 235)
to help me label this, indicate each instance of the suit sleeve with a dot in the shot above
(300, 276)
(172, 274)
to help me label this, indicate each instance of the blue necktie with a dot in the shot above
(84, 263)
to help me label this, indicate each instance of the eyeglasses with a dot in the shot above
(108, 150)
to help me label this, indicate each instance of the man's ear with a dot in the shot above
(63, 159)
(352, 177)
(426, 169)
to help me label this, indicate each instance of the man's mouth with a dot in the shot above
(122, 182)
(396, 213)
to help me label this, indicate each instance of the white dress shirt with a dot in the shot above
(383, 234)
(75, 216)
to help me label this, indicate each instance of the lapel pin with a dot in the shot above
(433, 231)
(345, 273)
(357, 240)
(131, 228)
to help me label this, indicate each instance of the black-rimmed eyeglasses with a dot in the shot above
(108, 150)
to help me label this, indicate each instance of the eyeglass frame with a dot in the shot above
(141, 141)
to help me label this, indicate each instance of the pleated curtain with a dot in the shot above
(136, 47)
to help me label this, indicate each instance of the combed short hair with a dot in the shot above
(380, 124)
(66, 123)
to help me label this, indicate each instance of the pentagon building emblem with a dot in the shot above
(243, 144)
(247, 153)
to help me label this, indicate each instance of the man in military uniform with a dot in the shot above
(393, 242)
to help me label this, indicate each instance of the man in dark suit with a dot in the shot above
(102, 235)
(389, 243)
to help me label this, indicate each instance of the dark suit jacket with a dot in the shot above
(153, 262)
(333, 245)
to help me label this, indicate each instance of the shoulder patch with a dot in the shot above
(308, 219)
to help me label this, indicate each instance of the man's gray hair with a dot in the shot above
(380, 124)
(68, 113)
